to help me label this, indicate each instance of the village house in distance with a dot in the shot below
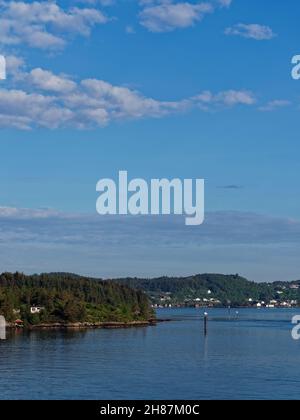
(218, 290)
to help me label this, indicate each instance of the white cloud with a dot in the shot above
(207, 100)
(23, 214)
(43, 99)
(14, 64)
(274, 105)
(44, 24)
(19, 109)
(95, 2)
(251, 31)
(167, 17)
(233, 97)
(46, 80)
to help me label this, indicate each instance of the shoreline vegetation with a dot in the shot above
(70, 301)
(62, 300)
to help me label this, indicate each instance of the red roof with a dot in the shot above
(18, 321)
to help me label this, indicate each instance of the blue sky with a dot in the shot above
(161, 89)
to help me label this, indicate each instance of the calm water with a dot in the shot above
(252, 356)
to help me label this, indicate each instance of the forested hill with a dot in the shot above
(227, 289)
(68, 298)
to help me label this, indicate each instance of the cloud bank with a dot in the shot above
(44, 24)
(40, 98)
(46, 240)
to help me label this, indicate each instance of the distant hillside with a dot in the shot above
(69, 298)
(227, 289)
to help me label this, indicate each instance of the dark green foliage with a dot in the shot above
(68, 298)
(229, 289)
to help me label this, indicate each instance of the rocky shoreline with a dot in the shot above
(85, 325)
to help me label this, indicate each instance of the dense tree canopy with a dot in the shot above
(69, 298)
(229, 289)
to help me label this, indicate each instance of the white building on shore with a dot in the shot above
(36, 309)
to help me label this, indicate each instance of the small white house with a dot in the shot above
(36, 309)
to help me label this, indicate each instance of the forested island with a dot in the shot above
(68, 300)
